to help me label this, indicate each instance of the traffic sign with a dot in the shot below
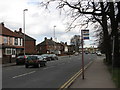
(85, 34)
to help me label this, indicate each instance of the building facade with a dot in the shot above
(50, 46)
(30, 43)
(11, 44)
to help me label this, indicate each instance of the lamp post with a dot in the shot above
(54, 32)
(24, 27)
(54, 37)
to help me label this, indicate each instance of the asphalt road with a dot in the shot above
(54, 75)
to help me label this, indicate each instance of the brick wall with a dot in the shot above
(8, 59)
(30, 47)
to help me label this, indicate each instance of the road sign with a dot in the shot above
(85, 34)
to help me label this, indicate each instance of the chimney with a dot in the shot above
(65, 43)
(15, 31)
(51, 38)
(20, 30)
(45, 38)
(2, 24)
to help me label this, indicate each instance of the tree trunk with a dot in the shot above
(106, 36)
(114, 26)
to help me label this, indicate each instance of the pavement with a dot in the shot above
(8, 64)
(96, 76)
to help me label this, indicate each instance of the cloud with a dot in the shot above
(39, 22)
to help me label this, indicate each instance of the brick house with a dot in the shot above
(12, 44)
(50, 46)
(30, 43)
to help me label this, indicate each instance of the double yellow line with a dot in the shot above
(72, 79)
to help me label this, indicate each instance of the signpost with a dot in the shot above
(84, 36)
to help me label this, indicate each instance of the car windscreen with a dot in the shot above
(20, 57)
(40, 57)
(44, 55)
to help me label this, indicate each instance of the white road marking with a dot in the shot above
(24, 74)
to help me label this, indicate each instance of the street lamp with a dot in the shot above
(54, 37)
(24, 27)
(54, 32)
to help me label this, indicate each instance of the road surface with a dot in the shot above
(54, 75)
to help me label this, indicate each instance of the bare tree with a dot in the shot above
(92, 11)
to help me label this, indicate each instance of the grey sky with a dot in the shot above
(39, 22)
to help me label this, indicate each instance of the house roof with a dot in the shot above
(48, 42)
(28, 38)
(7, 32)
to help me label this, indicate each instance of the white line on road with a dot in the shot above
(24, 74)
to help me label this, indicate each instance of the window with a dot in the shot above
(5, 40)
(10, 41)
(8, 51)
(16, 41)
(20, 41)
(13, 51)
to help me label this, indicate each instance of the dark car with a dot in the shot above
(42, 60)
(20, 60)
(35, 61)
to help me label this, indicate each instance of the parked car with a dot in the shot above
(50, 57)
(53, 57)
(20, 60)
(43, 60)
(36, 61)
(99, 54)
(76, 53)
(46, 56)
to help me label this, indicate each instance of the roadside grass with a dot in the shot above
(115, 73)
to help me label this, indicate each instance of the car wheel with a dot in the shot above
(38, 65)
(44, 64)
(26, 65)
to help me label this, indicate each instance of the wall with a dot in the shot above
(30, 47)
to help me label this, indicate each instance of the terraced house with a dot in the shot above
(12, 44)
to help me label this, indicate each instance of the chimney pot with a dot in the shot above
(20, 30)
(2, 24)
(45, 38)
(51, 38)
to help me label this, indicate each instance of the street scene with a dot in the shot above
(60, 44)
(53, 75)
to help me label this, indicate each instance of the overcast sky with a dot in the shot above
(39, 22)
